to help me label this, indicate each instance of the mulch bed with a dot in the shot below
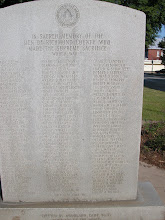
(148, 155)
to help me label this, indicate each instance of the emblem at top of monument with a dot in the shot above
(67, 15)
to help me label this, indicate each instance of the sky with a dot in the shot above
(162, 32)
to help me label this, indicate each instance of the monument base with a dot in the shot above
(147, 207)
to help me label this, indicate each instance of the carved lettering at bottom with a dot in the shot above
(93, 216)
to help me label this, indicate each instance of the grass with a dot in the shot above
(153, 105)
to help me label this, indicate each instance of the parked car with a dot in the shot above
(160, 71)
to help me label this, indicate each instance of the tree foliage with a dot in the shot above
(154, 10)
(5, 3)
(155, 15)
(162, 45)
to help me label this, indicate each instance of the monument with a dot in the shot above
(71, 87)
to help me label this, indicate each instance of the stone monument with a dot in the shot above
(71, 85)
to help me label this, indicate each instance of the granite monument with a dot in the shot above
(71, 86)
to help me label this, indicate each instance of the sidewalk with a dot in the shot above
(149, 173)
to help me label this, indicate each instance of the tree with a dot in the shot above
(154, 10)
(5, 3)
(162, 45)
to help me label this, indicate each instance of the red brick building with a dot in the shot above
(155, 54)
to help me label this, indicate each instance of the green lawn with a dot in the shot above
(153, 105)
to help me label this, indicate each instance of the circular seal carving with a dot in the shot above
(67, 15)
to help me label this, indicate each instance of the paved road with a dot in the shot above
(154, 82)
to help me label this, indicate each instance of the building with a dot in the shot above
(152, 60)
(155, 54)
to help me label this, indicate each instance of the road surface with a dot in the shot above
(154, 82)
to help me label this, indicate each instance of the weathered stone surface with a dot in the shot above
(147, 207)
(71, 78)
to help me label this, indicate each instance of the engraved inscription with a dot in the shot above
(63, 82)
(68, 44)
(108, 119)
(60, 122)
(15, 120)
(92, 216)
